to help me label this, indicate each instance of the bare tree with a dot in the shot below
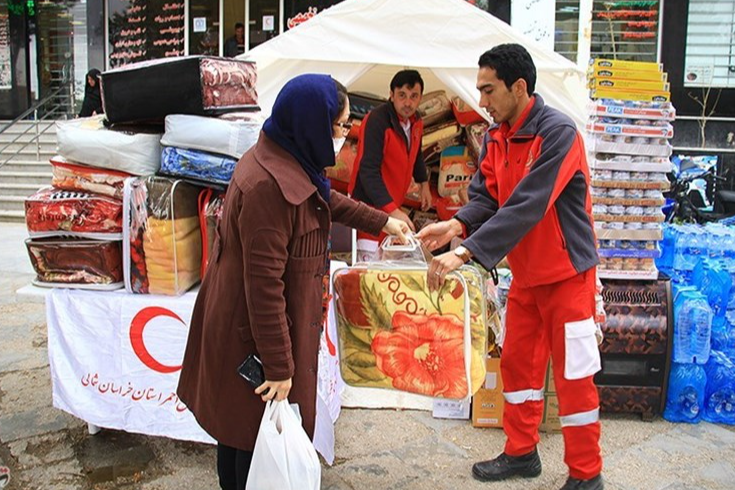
(706, 111)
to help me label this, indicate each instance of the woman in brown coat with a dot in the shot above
(262, 293)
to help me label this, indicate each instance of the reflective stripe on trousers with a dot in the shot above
(580, 419)
(518, 397)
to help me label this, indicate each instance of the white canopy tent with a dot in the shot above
(362, 43)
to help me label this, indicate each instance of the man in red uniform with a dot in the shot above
(531, 201)
(389, 151)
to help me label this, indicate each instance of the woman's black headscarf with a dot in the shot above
(92, 95)
(301, 123)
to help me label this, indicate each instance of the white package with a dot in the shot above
(86, 140)
(232, 136)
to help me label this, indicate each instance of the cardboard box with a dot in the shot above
(625, 65)
(630, 94)
(451, 409)
(487, 403)
(624, 84)
(619, 73)
(550, 421)
(549, 385)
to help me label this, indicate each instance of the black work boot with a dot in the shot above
(504, 467)
(591, 484)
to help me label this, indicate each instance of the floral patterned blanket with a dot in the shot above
(394, 333)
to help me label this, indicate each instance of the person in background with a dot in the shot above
(236, 44)
(262, 293)
(389, 154)
(92, 103)
(531, 201)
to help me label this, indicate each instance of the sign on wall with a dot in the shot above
(140, 30)
(535, 19)
(6, 68)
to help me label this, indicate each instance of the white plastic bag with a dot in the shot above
(284, 458)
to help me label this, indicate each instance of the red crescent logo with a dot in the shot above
(137, 326)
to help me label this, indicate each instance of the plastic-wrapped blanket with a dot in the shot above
(211, 204)
(70, 176)
(162, 242)
(197, 165)
(394, 333)
(88, 141)
(341, 173)
(53, 212)
(77, 263)
(230, 135)
(198, 85)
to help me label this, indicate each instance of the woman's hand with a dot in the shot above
(397, 228)
(277, 390)
(400, 215)
(439, 234)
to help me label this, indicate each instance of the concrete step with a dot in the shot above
(21, 126)
(28, 150)
(12, 216)
(26, 166)
(40, 178)
(27, 155)
(22, 190)
(12, 203)
(48, 136)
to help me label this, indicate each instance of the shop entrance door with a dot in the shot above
(263, 21)
(55, 55)
(233, 13)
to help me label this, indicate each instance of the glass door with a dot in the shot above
(263, 21)
(204, 26)
(233, 30)
(55, 53)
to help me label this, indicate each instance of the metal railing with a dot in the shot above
(57, 105)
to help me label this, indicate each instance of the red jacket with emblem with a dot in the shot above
(531, 201)
(385, 160)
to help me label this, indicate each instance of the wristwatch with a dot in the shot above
(463, 253)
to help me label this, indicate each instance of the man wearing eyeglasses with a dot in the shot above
(389, 153)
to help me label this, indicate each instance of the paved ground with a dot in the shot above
(45, 448)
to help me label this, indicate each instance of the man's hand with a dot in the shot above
(439, 267)
(439, 234)
(426, 198)
(277, 390)
(397, 228)
(400, 215)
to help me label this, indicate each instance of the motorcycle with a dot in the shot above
(687, 203)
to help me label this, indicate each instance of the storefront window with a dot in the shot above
(140, 30)
(566, 28)
(264, 15)
(626, 29)
(710, 47)
(204, 27)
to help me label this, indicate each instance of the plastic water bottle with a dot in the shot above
(665, 262)
(692, 326)
(685, 396)
(715, 236)
(713, 279)
(723, 335)
(719, 395)
(680, 239)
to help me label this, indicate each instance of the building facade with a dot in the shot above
(43, 44)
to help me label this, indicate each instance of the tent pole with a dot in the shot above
(584, 36)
